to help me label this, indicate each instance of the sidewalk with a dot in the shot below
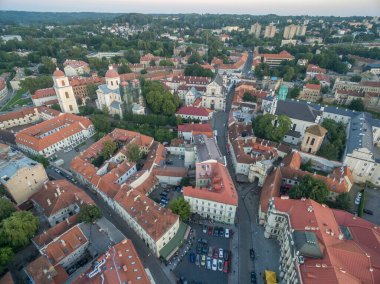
(234, 275)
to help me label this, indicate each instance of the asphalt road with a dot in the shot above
(149, 261)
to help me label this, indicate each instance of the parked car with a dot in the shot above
(225, 267)
(209, 230)
(210, 250)
(202, 241)
(221, 232)
(198, 260)
(199, 248)
(357, 200)
(216, 232)
(253, 277)
(204, 248)
(192, 257)
(226, 255)
(204, 230)
(216, 253)
(164, 193)
(214, 264)
(203, 260)
(208, 265)
(252, 254)
(220, 265)
(221, 253)
(367, 211)
(227, 233)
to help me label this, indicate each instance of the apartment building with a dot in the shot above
(272, 59)
(294, 30)
(194, 113)
(318, 243)
(311, 93)
(270, 31)
(59, 199)
(214, 197)
(75, 67)
(256, 30)
(53, 135)
(120, 264)
(20, 175)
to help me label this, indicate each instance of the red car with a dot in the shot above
(209, 231)
(225, 267)
(216, 253)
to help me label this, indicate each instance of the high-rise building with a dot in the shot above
(294, 30)
(256, 30)
(270, 31)
(65, 93)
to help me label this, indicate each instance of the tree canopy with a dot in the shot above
(134, 153)
(109, 147)
(310, 187)
(198, 70)
(6, 208)
(181, 207)
(17, 230)
(247, 97)
(334, 145)
(270, 127)
(89, 213)
(33, 84)
(357, 105)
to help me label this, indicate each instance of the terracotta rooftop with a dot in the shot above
(7, 278)
(154, 219)
(196, 128)
(18, 114)
(121, 264)
(43, 272)
(315, 69)
(44, 93)
(352, 258)
(194, 111)
(80, 81)
(64, 245)
(339, 180)
(70, 124)
(111, 73)
(191, 80)
(57, 195)
(249, 151)
(221, 188)
(48, 236)
(313, 86)
(282, 55)
(75, 63)
(317, 130)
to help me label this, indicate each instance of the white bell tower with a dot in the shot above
(65, 93)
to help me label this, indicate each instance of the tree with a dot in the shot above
(124, 68)
(6, 255)
(247, 97)
(109, 147)
(294, 92)
(33, 84)
(357, 105)
(98, 161)
(134, 153)
(166, 62)
(91, 91)
(18, 229)
(270, 127)
(89, 213)
(181, 207)
(142, 72)
(342, 202)
(152, 63)
(56, 107)
(6, 208)
(195, 58)
(198, 70)
(310, 187)
(356, 78)
(41, 159)
(334, 145)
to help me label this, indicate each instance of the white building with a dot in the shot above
(215, 96)
(109, 96)
(75, 67)
(214, 196)
(65, 93)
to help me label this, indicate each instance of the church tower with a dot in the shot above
(65, 93)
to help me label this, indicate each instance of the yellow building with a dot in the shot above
(313, 138)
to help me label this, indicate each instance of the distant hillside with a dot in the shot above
(19, 17)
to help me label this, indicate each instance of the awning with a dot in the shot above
(175, 243)
(270, 277)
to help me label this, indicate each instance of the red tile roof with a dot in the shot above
(43, 272)
(57, 195)
(194, 111)
(259, 151)
(58, 73)
(313, 86)
(282, 55)
(72, 124)
(196, 128)
(75, 63)
(221, 187)
(123, 265)
(355, 260)
(19, 114)
(111, 73)
(64, 245)
(44, 93)
(7, 279)
(191, 80)
(315, 69)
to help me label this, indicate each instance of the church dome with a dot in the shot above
(111, 73)
(58, 73)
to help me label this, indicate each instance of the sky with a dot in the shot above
(255, 7)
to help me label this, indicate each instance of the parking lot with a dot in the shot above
(372, 203)
(165, 192)
(191, 271)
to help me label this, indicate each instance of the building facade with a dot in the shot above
(65, 93)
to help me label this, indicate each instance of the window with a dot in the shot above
(63, 82)
(307, 141)
(71, 107)
(312, 141)
(67, 95)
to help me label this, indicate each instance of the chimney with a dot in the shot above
(48, 202)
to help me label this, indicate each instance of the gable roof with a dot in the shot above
(316, 130)
(297, 110)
